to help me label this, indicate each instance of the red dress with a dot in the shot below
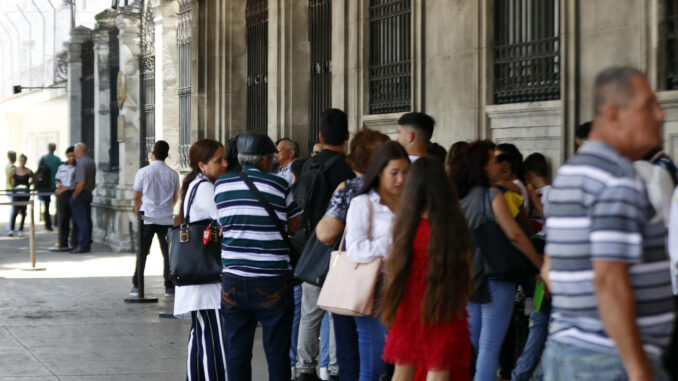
(444, 346)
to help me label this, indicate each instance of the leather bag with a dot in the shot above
(502, 261)
(350, 287)
(193, 262)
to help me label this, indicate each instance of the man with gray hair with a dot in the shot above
(288, 151)
(257, 276)
(81, 201)
(606, 263)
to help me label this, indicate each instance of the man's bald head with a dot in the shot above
(80, 149)
(613, 86)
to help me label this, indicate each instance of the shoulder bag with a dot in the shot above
(502, 260)
(314, 261)
(350, 287)
(195, 249)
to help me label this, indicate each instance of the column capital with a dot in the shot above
(79, 35)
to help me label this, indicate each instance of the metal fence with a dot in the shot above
(320, 36)
(257, 65)
(526, 50)
(390, 65)
(184, 44)
(670, 31)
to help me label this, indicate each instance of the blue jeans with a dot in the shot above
(81, 208)
(346, 336)
(295, 325)
(534, 346)
(566, 362)
(371, 342)
(246, 301)
(325, 342)
(488, 324)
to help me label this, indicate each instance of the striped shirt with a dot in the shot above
(598, 210)
(252, 245)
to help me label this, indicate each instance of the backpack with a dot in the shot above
(43, 177)
(312, 192)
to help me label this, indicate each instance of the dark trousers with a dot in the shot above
(65, 218)
(15, 212)
(148, 231)
(45, 214)
(81, 209)
(246, 301)
(346, 337)
(206, 359)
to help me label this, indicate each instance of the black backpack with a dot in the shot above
(43, 176)
(312, 192)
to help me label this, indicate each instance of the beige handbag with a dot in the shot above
(350, 287)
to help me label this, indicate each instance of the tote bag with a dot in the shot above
(349, 287)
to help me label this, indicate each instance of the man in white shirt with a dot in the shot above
(415, 130)
(288, 150)
(156, 190)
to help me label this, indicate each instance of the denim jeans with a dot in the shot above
(346, 336)
(295, 325)
(246, 301)
(81, 208)
(371, 342)
(325, 342)
(534, 346)
(566, 362)
(488, 324)
(308, 347)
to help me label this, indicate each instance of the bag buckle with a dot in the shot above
(184, 234)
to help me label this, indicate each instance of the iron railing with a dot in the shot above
(390, 65)
(184, 44)
(526, 50)
(671, 41)
(257, 65)
(320, 35)
(114, 68)
(147, 65)
(87, 109)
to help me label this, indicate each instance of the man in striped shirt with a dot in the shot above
(607, 264)
(257, 280)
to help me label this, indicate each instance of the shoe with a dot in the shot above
(60, 249)
(80, 250)
(49, 229)
(169, 291)
(134, 292)
(293, 373)
(10, 233)
(308, 377)
(334, 377)
(20, 233)
(324, 374)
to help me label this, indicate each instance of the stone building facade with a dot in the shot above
(517, 71)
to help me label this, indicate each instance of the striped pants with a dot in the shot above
(206, 355)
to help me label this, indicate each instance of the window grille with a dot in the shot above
(320, 35)
(526, 50)
(390, 65)
(147, 136)
(670, 32)
(257, 65)
(184, 44)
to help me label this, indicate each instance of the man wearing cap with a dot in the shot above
(257, 277)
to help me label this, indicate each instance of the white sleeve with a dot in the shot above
(139, 181)
(204, 200)
(673, 240)
(359, 247)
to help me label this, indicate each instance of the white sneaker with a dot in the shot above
(10, 233)
(20, 233)
(293, 372)
(324, 374)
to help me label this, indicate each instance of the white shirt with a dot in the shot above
(659, 187)
(203, 296)
(523, 194)
(65, 175)
(360, 247)
(413, 158)
(286, 172)
(157, 183)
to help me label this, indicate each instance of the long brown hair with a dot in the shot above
(200, 152)
(448, 275)
(387, 151)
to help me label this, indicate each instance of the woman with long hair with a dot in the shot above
(473, 170)
(21, 179)
(202, 303)
(427, 280)
(369, 223)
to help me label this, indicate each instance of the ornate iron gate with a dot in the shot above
(390, 68)
(147, 65)
(526, 50)
(184, 44)
(670, 33)
(257, 65)
(320, 35)
(87, 109)
(114, 68)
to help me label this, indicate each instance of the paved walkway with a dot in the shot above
(70, 321)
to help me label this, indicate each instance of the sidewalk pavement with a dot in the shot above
(70, 321)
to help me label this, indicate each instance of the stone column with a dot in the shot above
(102, 86)
(79, 36)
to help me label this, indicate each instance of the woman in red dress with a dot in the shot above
(427, 280)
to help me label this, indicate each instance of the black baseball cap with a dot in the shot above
(252, 143)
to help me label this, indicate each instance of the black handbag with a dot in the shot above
(502, 261)
(314, 262)
(192, 261)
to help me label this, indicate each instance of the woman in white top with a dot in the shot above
(202, 303)
(369, 236)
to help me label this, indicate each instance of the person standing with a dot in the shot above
(156, 190)
(201, 303)
(415, 130)
(21, 181)
(47, 168)
(81, 200)
(257, 278)
(11, 159)
(288, 151)
(606, 264)
(64, 191)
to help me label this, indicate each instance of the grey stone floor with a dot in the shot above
(70, 321)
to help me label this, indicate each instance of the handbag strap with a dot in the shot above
(268, 207)
(191, 196)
